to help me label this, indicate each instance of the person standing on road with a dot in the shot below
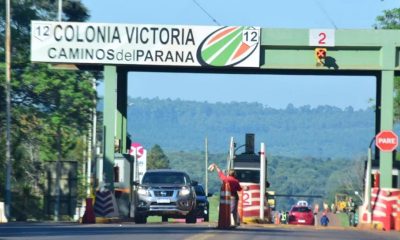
(235, 188)
(324, 220)
(316, 210)
(333, 208)
(351, 210)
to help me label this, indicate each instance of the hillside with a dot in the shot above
(322, 132)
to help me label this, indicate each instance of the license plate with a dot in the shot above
(163, 200)
(301, 221)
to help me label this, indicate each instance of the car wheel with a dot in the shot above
(140, 219)
(164, 219)
(206, 218)
(191, 218)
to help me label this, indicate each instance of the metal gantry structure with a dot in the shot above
(117, 49)
(287, 52)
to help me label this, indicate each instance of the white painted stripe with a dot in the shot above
(250, 208)
(225, 194)
(390, 198)
(253, 199)
(379, 204)
(253, 191)
(379, 214)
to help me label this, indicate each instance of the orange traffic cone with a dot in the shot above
(88, 216)
(224, 218)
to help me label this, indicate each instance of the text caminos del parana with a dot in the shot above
(133, 35)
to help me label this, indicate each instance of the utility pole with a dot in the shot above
(59, 10)
(262, 180)
(206, 167)
(92, 142)
(367, 195)
(8, 106)
(58, 163)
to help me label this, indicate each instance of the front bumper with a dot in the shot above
(169, 204)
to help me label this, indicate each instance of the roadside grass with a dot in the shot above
(343, 219)
(214, 206)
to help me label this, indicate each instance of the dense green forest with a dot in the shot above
(324, 131)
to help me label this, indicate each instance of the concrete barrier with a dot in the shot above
(3, 218)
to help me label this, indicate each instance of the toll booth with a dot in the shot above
(123, 178)
(247, 168)
(395, 172)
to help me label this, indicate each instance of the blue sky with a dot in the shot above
(271, 90)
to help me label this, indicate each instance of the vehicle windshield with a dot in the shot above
(249, 176)
(301, 209)
(165, 178)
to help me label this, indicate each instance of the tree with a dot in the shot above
(50, 108)
(157, 159)
(67, 102)
(389, 20)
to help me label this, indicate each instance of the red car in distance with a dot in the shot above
(301, 215)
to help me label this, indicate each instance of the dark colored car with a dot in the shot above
(166, 193)
(202, 204)
(301, 215)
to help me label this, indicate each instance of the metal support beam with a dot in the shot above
(109, 122)
(122, 101)
(386, 158)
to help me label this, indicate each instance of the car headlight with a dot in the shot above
(143, 191)
(184, 191)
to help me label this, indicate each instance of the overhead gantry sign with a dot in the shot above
(116, 44)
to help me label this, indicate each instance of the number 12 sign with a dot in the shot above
(322, 37)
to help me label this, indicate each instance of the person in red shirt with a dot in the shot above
(235, 188)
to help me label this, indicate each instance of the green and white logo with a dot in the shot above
(228, 46)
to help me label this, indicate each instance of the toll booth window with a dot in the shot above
(250, 176)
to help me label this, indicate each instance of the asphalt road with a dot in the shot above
(181, 231)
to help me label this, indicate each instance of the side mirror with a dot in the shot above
(135, 183)
(194, 183)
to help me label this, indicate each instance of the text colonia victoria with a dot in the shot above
(137, 36)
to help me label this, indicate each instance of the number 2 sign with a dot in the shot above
(246, 199)
(322, 37)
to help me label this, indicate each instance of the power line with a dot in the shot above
(326, 14)
(209, 15)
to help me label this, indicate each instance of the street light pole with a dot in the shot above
(8, 106)
(59, 10)
(368, 182)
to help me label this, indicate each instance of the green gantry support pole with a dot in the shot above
(109, 122)
(386, 158)
(388, 64)
(122, 101)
